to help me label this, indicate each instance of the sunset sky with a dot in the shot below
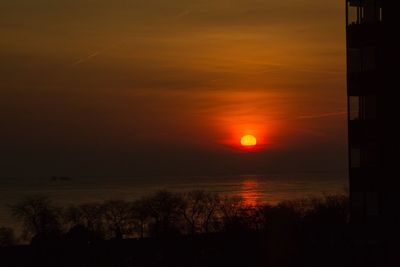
(96, 87)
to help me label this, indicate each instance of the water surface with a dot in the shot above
(255, 189)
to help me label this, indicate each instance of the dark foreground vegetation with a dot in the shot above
(171, 229)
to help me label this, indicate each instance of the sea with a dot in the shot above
(253, 188)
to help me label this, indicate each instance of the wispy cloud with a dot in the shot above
(288, 68)
(183, 13)
(313, 132)
(84, 59)
(323, 115)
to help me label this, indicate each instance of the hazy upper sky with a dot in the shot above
(125, 87)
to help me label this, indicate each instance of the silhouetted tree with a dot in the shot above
(198, 210)
(210, 217)
(39, 217)
(7, 237)
(233, 213)
(118, 218)
(164, 210)
(332, 209)
(140, 215)
(78, 234)
(281, 225)
(90, 216)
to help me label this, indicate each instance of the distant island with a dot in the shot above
(60, 178)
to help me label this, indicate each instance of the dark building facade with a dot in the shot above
(364, 78)
(373, 118)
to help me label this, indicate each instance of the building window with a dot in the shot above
(366, 156)
(354, 60)
(362, 107)
(368, 58)
(351, 14)
(355, 157)
(354, 108)
(359, 12)
(365, 203)
(359, 60)
(355, 14)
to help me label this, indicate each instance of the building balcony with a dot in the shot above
(364, 22)
(364, 82)
(364, 131)
(360, 12)
(359, 35)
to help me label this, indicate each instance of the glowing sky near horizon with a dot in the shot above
(125, 87)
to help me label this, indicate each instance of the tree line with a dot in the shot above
(164, 214)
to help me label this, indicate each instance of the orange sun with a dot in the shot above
(248, 141)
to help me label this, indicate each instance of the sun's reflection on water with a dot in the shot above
(249, 192)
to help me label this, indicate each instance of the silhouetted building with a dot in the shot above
(373, 116)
